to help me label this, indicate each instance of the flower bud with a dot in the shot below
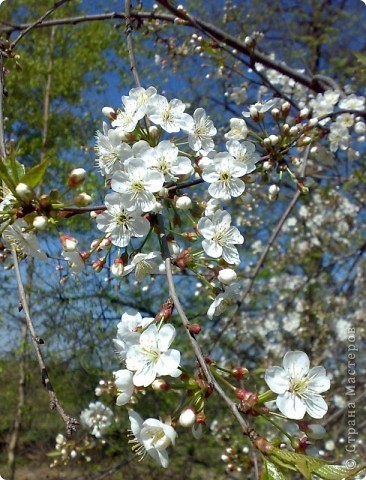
(174, 248)
(285, 108)
(256, 116)
(109, 113)
(44, 201)
(267, 142)
(275, 113)
(227, 276)
(24, 192)
(40, 222)
(76, 177)
(313, 122)
(240, 372)
(69, 243)
(285, 129)
(160, 384)
(183, 203)
(82, 199)
(267, 165)
(98, 265)
(273, 192)
(187, 418)
(360, 128)
(118, 267)
(273, 139)
(304, 141)
(194, 328)
(153, 132)
(294, 131)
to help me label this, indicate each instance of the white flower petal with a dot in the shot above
(277, 379)
(291, 406)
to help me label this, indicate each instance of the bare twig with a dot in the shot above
(265, 252)
(195, 346)
(131, 52)
(220, 36)
(70, 422)
(254, 54)
(9, 28)
(2, 139)
(37, 22)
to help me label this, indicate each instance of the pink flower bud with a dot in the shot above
(69, 243)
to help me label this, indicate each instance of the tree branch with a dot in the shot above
(70, 422)
(195, 346)
(37, 22)
(254, 54)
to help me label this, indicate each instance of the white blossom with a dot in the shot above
(97, 417)
(125, 386)
(338, 137)
(164, 158)
(244, 152)
(225, 302)
(119, 223)
(298, 387)
(220, 237)
(199, 138)
(111, 151)
(223, 174)
(26, 243)
(169, 115)
(152, 437)
(128, 332)
(352, 102)
(238, 129)
(137, 186)
(152, 356)
(75, 261)
(144, 264)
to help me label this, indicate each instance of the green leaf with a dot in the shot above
(15, 168)
(271, 472)
(35, 174)
(337, 472)
(5, 177)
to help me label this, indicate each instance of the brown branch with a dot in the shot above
(131, 52)
(37, 22)
(254, 54)
(70, 422)
(8, 28)
(14, 438)
(195, 346)
(2, 89)
(314, 83)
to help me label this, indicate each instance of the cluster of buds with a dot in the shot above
(105, 388)
(66, 450)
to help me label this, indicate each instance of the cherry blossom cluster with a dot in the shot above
(143, 347)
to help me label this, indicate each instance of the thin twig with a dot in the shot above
(9, 28)
(265, 252)
(276, 231)
(131, 52)
(195, 346)
(70, 422)
(37, 22)
(208, 29)
(233, 42)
